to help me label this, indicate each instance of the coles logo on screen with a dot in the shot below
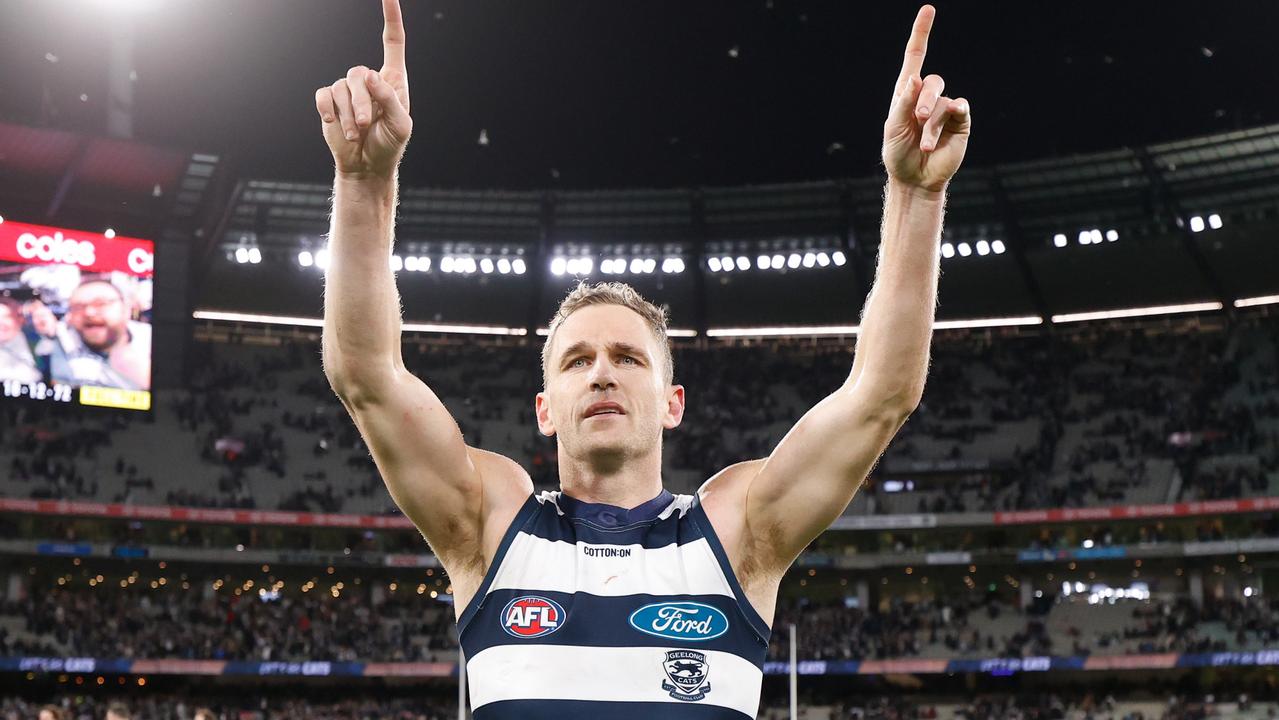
(532, 616)
(56, 249)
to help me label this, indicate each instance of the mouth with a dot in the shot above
(603, 410)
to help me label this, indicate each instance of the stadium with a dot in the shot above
(1079, 520)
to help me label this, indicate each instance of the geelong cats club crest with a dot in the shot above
(687, 671)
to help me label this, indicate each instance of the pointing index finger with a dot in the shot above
(392, 36)
(917, 46)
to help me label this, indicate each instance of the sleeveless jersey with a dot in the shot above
(595, 611)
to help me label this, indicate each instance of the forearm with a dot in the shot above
(897, 320)
(361, 305)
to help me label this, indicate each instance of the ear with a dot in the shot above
(542, 408)
(674, 407)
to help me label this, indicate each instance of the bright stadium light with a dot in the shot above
(306, 259)
(410, 263)
(764, 262)
(606, 266)
(558, 266)
(743, 262)
(947, 250)
(727, 263)
(1112, 235)
(637, 266)
(486, 266)
(793, 261)
(586, 265)
(1196, 224)
(964, 249)
(242, 255)
(109, 234)
(778, 262)
(983, 247)
(649, 265)
(468, 264)
(1214, 221)
(1095, 234)
(672, 265)
(255, 255)
(810, 259)
(823, 259)
(322, 259)
(518, 266)
(503, 266)
(397, 263)
(998, 246)
(1, 219)
(838, 257)
(1059, 240)
(572, 267)
(1085, 237)
(423, 264)
(714, 264)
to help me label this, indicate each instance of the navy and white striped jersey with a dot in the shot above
(595, 611)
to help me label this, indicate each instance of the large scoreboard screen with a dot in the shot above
(75, 316)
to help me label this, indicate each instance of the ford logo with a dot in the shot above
(680, 621)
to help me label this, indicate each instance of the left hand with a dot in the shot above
(926, 133)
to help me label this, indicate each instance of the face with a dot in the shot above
(46, 715)
(9, 324)
(98, 314)
(607, 353)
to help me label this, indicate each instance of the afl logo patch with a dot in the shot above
(531, 616)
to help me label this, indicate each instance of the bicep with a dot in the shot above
(811, 476)
(432, 475)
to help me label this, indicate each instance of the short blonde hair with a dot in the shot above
(610, 293)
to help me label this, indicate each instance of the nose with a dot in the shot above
(601, 375)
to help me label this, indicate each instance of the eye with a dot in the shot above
(575, 362)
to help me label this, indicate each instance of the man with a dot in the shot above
(614, 598)
(17, 362)
(99, 344)
(117, 711)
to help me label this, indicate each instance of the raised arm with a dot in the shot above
(432, 475)
(811, 476)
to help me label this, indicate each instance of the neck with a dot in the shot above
(625, 485)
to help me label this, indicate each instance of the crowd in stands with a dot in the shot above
(110, 622)
(970, 626)
(226, 706)
(359, 623)
(1054, 420)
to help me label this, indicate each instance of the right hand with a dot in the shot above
(366, 114)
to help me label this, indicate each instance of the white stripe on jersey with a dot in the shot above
(533, 563)
(561, 672)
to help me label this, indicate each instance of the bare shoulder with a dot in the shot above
(728, 486)
(505, 485)
(724, 499)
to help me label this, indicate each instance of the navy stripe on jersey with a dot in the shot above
(561, 709)
(651, 533)
(527, 511)
(605, 622)
(697, 514)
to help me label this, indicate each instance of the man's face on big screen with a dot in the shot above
(97, 312)
(607, 354)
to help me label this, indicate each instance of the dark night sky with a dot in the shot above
(643, 94)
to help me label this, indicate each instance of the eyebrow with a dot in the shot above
(618, 346)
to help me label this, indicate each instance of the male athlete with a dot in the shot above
(614, 598)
